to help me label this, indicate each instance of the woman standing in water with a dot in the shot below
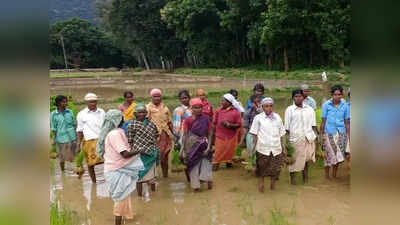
(197, 155)
(161, 116)
(335, 129)
(121, 164)
(142, 135)
(128, 106)
(180, 114)
(267, 130)
(225, 125)
(207, 107)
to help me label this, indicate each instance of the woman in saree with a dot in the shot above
(335, 130)
(142, 134)
(121, 164)
(197, 156)
(128, 107)
(162, 118)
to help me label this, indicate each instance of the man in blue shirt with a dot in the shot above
(62, 124)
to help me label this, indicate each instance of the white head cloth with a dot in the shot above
(304, 87)
(267, 100)
(90, 97)
(235, 103)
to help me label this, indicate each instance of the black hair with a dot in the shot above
(297, 91)
(258, 86)
(183, 92)
(59, 99)
(336, 88)
(126, 93)
(254, 97)
(233, 91)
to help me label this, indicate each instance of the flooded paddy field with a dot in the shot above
(234, 199)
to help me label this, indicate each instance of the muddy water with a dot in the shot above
(233, 200)
(111, 88)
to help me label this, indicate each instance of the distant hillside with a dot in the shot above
(66, 9)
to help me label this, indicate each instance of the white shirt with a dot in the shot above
(299, 122)
(90, 122)
(269, 133)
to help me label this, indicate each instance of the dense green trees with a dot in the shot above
(86, 46)
(282, 34)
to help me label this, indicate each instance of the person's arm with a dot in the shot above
(176, 122)
(53, 128)
(287, 128)
(210, 139)
(347, 124)
(79, 131)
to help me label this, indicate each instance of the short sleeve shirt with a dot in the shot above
(299, 121)
(90, 122)
(64, 125)
(335, 116)
(310, 102)
(115, 143)
(269, 132)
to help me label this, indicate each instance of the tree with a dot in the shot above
(85, 45)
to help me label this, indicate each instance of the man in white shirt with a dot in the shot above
(89, 122)
(268, 130)
(308, 100)
(301, 132)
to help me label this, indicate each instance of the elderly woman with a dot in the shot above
(128, 106)
(335, 129)
(142, 134)
(225, 126)
(121, 164)
(161, 116)
(207, 107)
(180, 114)
(267, 130)
(197, 156)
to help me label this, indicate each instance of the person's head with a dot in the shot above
(156, 96)
(255, 99)
(298, 97)
(337, 93)
(61, 101)
(200, 93)
(140, 112)
(184, 97)
(258, 89)
(225, 102)
(128, 95)
(196, 106)
(306, 90)
(91, 100)
(234, 92)
(267, 105)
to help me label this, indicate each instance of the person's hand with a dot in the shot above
(206, 152)
(226, 124)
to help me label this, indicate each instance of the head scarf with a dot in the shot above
(195, 101)
(304, 87)
(235, 103)
(267, 100)
(111, 121)
(155, 91)
(140, 106)
(200, 92)
(90, 97)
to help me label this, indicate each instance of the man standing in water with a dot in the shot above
(308, 100)
(90, 120)
(62, 124)
(301, 132)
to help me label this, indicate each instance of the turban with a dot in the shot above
(155, 91)
(140, 106)
(200, 92)
(304, 87)
(90, 97)
(196, 101)
(267, 100)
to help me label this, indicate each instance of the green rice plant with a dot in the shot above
(79, 158)
(278, 218)
(238, 151)
(290, 150)
(62, 216)
(175, 158)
